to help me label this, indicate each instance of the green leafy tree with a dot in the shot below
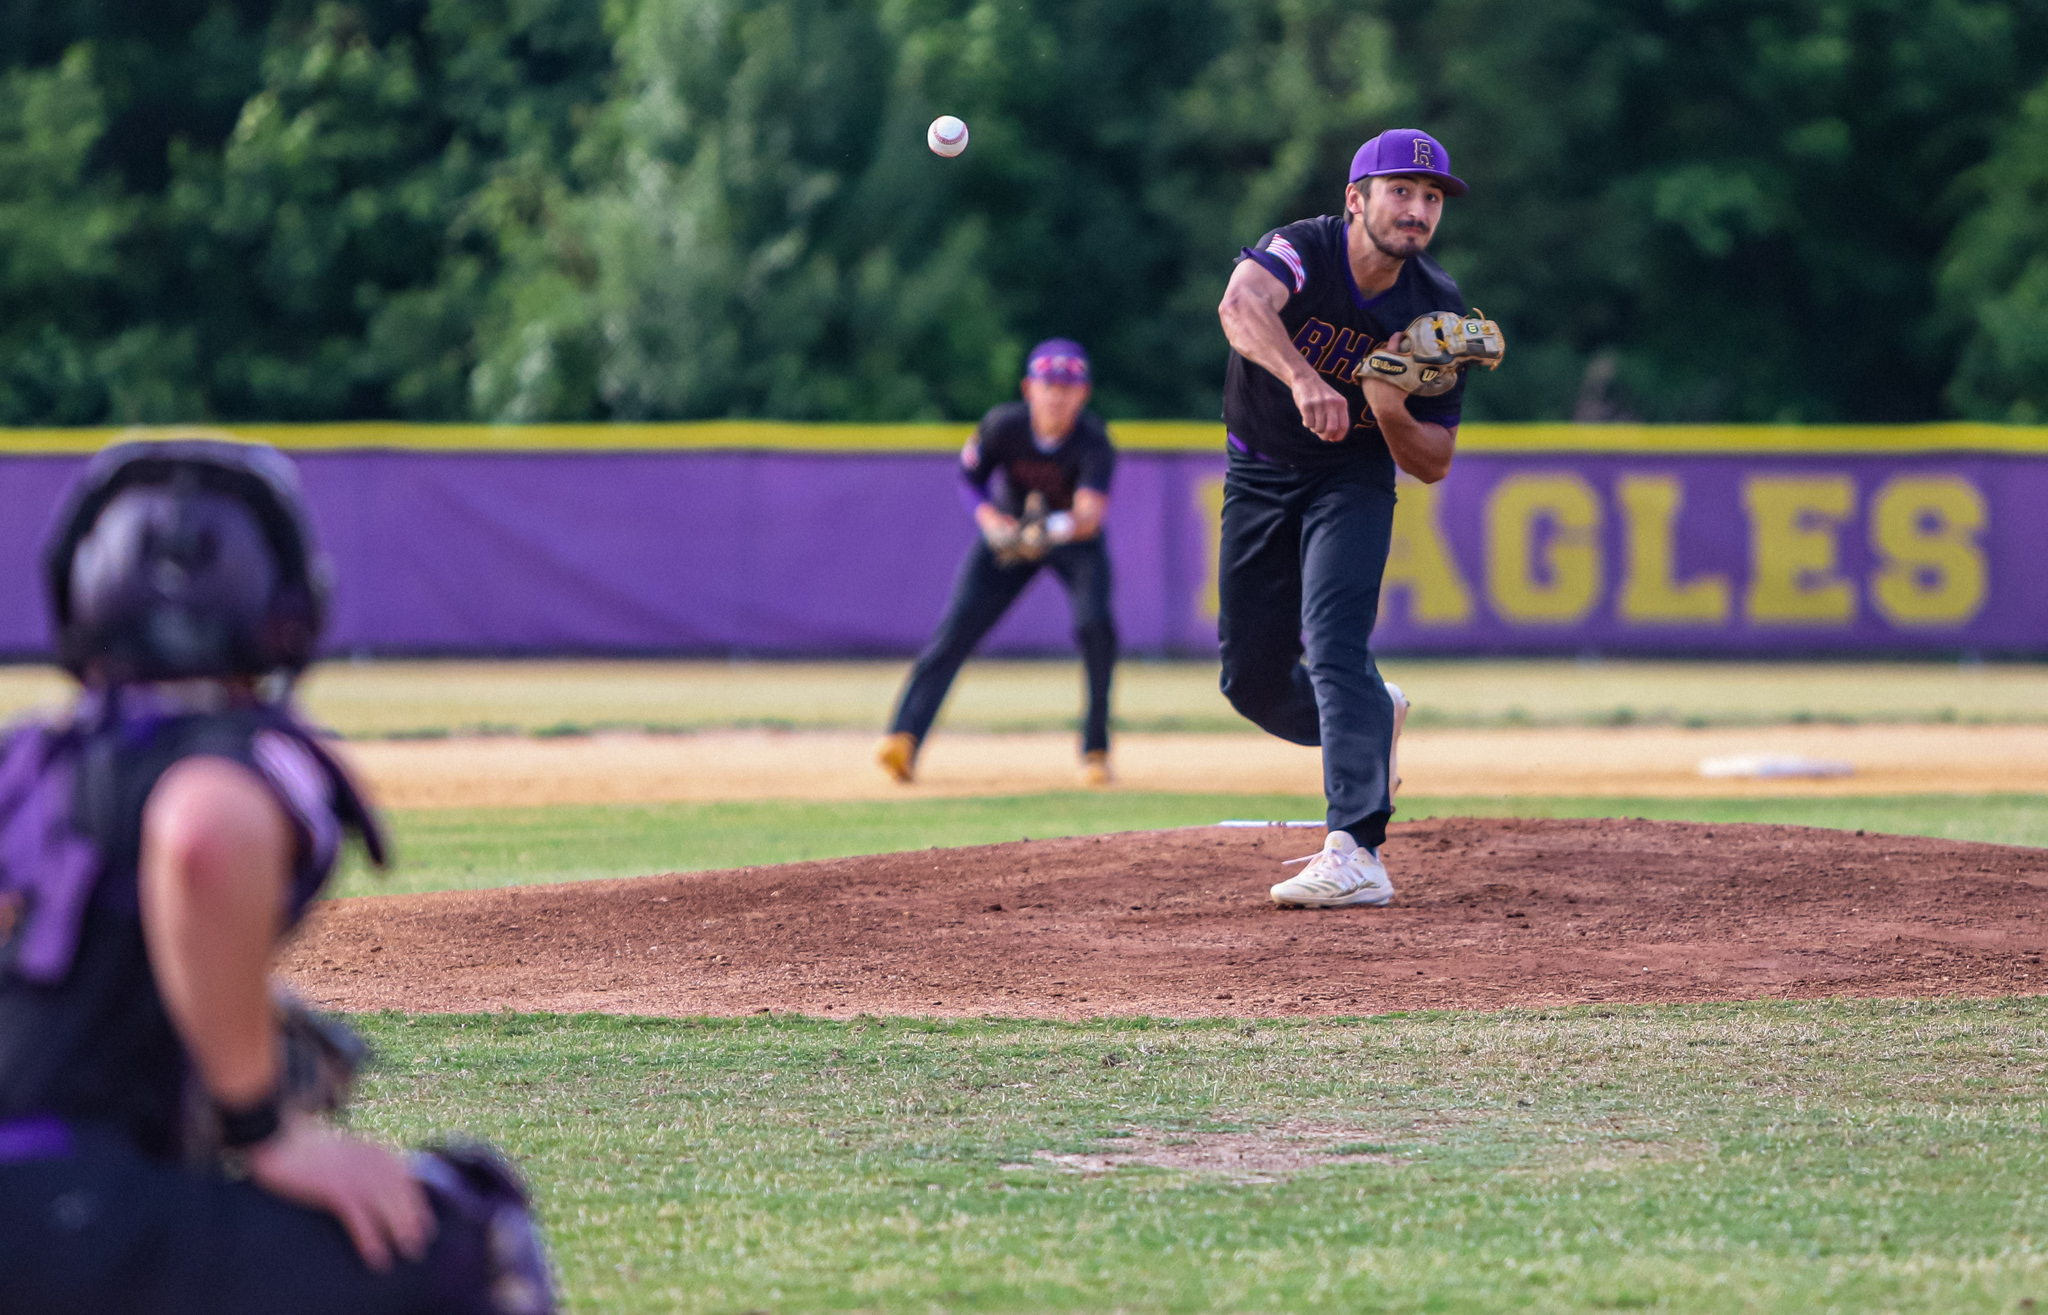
(1735, 203)
(528, 209)
(775, 240)
(727, 264)
(60, 251)
(274, 211)
(351, 230)
(1994, 277)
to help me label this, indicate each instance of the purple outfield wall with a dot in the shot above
(783, 540)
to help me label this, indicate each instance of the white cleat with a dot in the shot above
(1342, 874)
(1401, 706)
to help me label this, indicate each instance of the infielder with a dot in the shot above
(1347, 350)
(161, 1145)
(1036, 476)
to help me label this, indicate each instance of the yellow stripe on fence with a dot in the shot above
(1133, 435)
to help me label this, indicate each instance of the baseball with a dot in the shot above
(947, 136)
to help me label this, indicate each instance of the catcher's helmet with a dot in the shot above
(184, 559)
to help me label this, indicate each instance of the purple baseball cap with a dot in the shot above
(1406, 151)
(1058, 361)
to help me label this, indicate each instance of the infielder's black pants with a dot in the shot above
(984, 591)
(1302, 556)
(105, 1230)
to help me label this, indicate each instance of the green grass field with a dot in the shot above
(1760, 1157)
(469, 848)
(1833, 1156)
(387, 698)
(381, 698)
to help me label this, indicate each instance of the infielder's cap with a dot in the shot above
(1406, 151)
(1058, 361)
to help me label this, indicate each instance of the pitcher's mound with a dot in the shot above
(1488, 913)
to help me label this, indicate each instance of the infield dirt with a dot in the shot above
(1632, 761)
(1177, 923)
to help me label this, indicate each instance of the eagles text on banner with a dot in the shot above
(732, 537)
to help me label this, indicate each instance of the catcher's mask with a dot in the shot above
(191, 558)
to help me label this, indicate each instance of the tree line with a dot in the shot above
(528, 210)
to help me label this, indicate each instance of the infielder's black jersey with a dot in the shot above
(1334, 328)
(1003, 462)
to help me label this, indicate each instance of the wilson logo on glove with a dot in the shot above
(1433, 350)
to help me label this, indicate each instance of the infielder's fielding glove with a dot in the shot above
(1029, 541)
(1439, 345)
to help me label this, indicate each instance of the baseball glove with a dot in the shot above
(1029, 541)
(1439, 345)
(318, 1057)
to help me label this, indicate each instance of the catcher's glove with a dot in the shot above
(318, 1058)
(1439, 345)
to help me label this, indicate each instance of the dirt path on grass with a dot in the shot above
(1657, 761)
(1489, 913)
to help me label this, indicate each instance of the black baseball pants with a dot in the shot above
(1302, 556)
(982, 592)
(105, 1230)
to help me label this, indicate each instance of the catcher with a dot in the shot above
(1036, 475)
(162, 1149)
(1348, 352)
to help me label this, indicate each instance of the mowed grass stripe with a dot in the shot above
(463, 849)
(377, 698)
(1766, 1157)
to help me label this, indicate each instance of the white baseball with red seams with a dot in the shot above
(947, 136)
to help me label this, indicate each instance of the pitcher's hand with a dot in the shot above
(1323, 409)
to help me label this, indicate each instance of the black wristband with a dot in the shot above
(240, 1129)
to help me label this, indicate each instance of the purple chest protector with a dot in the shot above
(47, 869)
(50, 869)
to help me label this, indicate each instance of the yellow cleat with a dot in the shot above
(1095, 769)
(897, 755)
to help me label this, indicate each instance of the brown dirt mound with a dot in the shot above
(1489, 913)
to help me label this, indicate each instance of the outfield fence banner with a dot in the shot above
(770, 539)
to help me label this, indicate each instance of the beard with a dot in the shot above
(1399, 243)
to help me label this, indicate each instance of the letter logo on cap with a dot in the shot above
(1423, 155)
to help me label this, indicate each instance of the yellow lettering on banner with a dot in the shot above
(1420, 561)
(1555, 583)
(1209, 499)
(1651, 593)
(1931, 568)
(1793, 550)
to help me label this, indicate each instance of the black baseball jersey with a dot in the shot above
(1334, 328)
(1004, 464)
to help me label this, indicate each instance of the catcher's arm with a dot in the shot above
(216, 856)
(1251, 321)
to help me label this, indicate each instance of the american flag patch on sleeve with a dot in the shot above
(1284, 249)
